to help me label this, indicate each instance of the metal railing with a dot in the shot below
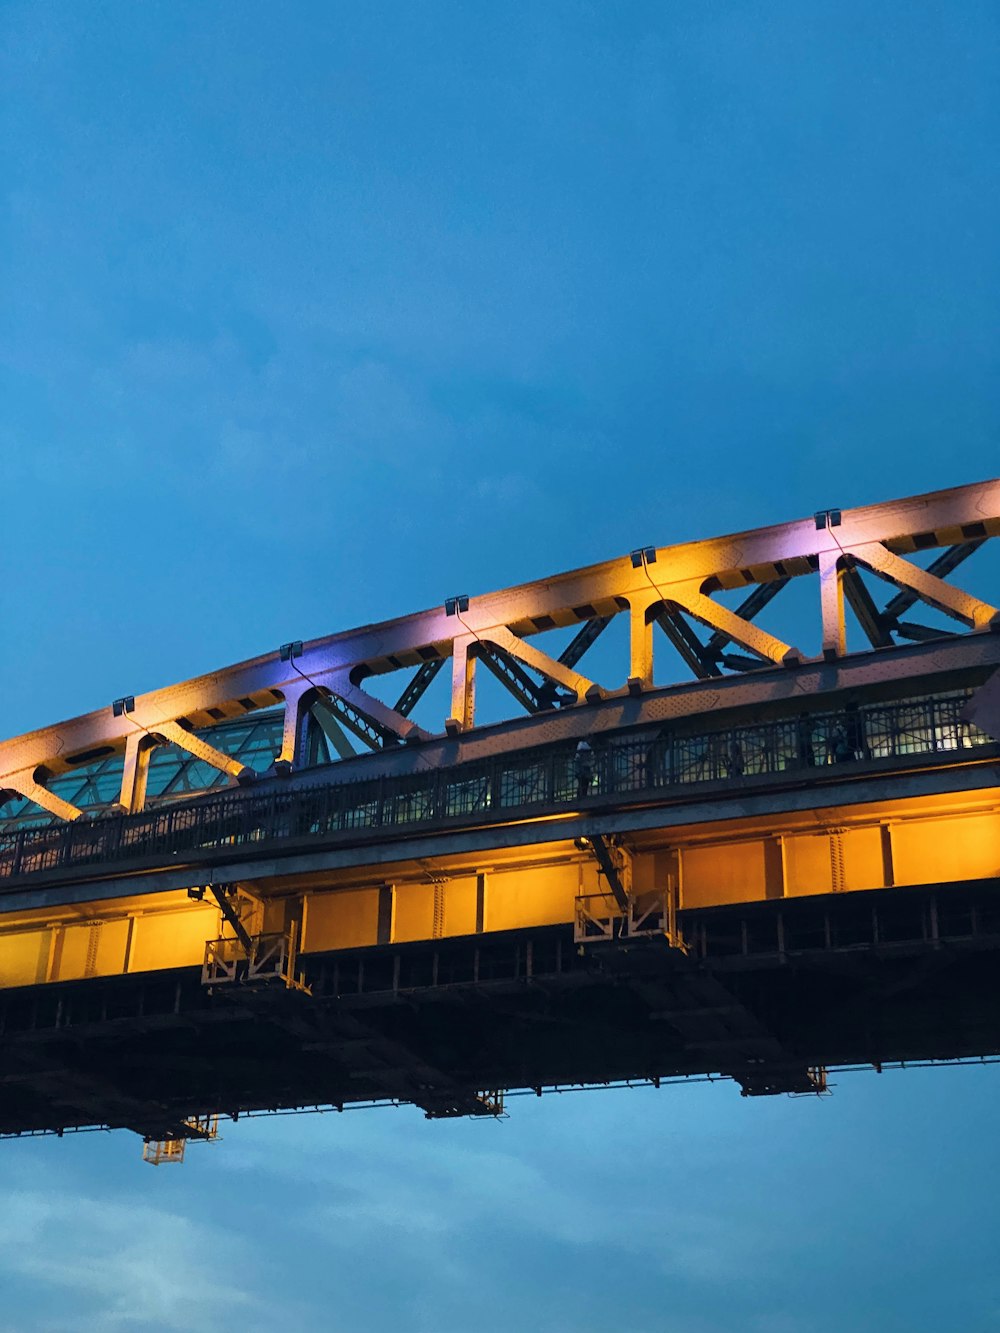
(626, 766)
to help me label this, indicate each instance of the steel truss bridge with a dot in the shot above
(269, 888)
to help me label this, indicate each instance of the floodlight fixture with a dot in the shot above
(126, 704)
(290, 651)
(643, 555)
(827, 518)
(452, 605)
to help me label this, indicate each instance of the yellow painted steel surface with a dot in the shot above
(921, 840)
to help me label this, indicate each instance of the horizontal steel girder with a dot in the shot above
(877, 537)
(813, 980)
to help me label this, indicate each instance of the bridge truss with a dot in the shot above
(211, 904)
(674, 590)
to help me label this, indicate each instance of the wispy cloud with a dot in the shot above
(425, 1188)
(108, 1264)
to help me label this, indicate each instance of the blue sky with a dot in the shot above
(316, 313)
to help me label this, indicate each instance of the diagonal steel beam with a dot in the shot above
(383, 718)
(682, 636)
(869, 617)
(513, 677)
(747, 609)
(540, 662)
(737, 662)
(609, 868)
(175, 734)
(220, 892)
(924, 585)
(741, 631)
(330, 725)
(371, 732)
(41, 796)
(582, 640)
(940, 568)
(417, 686)
(911, 629)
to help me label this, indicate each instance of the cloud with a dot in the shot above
(429, 1189)
(105, 1264)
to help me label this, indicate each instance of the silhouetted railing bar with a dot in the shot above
(528, 779)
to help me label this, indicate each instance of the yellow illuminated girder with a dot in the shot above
(916, 841)
(874, 537)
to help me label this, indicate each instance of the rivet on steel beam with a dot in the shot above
(126, 704)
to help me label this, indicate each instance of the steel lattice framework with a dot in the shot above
(673, 587)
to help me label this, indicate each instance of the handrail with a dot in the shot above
(655, 761)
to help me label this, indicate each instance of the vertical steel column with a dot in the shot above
(641, 642)
(831, 591)
(138, 750)
(293, 737)
(463, 685)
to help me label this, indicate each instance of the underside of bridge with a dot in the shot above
(770, 994)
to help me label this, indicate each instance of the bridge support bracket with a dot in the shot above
(245, 959)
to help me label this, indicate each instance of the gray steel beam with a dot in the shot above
(417, 687)
(687, 643)
(328, 723)
(872, 621)
(220, 892)
(910, 629)
(513, 677)
(376, 735)
(588, 634)
(604, 856)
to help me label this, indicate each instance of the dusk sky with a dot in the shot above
(316, 313)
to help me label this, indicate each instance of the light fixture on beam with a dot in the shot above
(452, 605)
(827, 518)
(126, 704)
(643, 555)
(290, 651)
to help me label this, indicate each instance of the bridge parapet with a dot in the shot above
(630, 768)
